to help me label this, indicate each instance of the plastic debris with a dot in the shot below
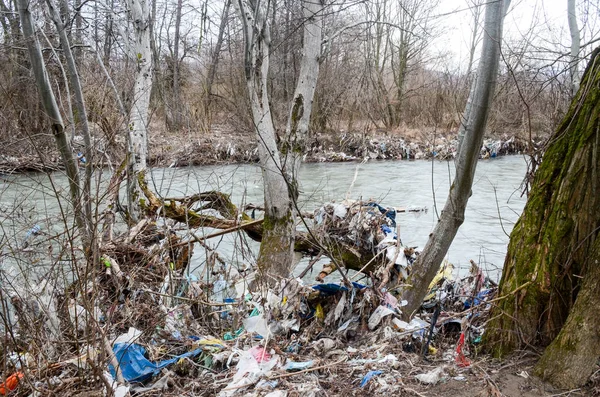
(461, 360)
(291, 318)
(368, 377)
(136, 367)
(277, 393)
(264, 384)
(11, 383)
(160, 385)
(378, 315)
(34, 231)
(117, 390)
(258, 324)
(432, 377)
(400, 325)
(260, 354)
(131, 336)
(249, 370)
(298, 366)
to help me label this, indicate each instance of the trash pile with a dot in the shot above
(363, 235)
(162, 337)
(140, 323)
(352, 147)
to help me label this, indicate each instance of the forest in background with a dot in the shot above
(382, 73)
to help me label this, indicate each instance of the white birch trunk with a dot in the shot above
(276, 250)
(139, 14)
(428, 263)
(301, 109)
(575, 46)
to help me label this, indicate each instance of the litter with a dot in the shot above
(461, 360)
(368, 377)
(34, 231)
(292, 330)
(294, 366)
(11, 383)
(432, 377)
(134, 365)
(250, 370)
(379, 313)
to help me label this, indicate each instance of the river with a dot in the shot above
(496, 203)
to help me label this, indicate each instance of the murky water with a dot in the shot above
(495, 205)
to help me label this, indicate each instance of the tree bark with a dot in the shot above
(52, 111)
(80, 114)
(214, 62)
(575, 45)
(108, 32)
(176, 105)
(139, 14)
(553, 251)
(572, 356)
(302, 102)
(428, 263)
(276, 253)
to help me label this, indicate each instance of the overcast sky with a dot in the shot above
(547, 19)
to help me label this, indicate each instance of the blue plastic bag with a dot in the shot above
(134, 365)
(368, 377)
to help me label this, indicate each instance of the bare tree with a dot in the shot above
(51, 108)
(575, 46)
(276, 249)
(80, 114)
(398, 33)
(452, 216)
(280, 170)
(302, 101)
(176, 106)
(476, 6)
(216, 53)
(139, 15)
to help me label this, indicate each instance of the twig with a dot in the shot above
(220, 232)
(365, 266)
(287, 375)
(307, 370)
(413, 391)
(311, 264)
(565, 392)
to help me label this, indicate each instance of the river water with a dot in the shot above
(496, 203)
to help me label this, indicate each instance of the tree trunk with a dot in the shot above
(575, 44)
(214, 62)
(139, 13)
(51, 109)
(551, 273)
(428, 263)
(301, 109)
(572, 356)
(108, 32)
(80, 114)
(276, 253)
(176, 105)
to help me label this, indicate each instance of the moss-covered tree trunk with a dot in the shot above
(551, 274)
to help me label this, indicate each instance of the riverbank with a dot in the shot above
(170, 150)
